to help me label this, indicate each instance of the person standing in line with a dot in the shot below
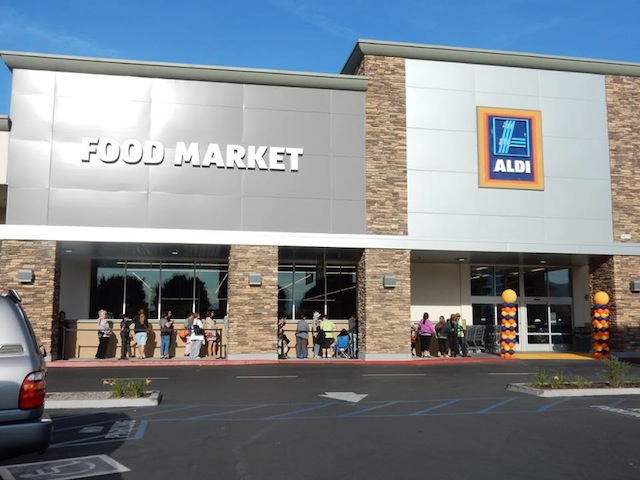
(302, 338)
(125, 337)
(442, 332)
(211, 334)
(451, 336)
(188, 324)
(425, 333)
(197, 337)
(460, 339)
(63, 324)
(166, 332)
(141, 328)
(327, 326)
(104, 333)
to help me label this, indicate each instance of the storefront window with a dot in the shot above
(108, 288)
(507, 278)
(126, 286)
(484, 314)
(559, 282)
(319, 280)
(482, 281)
(535, 282)
(142, 288)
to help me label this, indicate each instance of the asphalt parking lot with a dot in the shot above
(344, 421)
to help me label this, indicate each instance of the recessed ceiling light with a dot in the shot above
(174, 252)
(461, 259)
(543, 261)
(68, 250)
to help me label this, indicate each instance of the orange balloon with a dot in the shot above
(601, 298)
(509, 296)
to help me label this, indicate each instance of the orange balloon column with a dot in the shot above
(600, 324)
(508, 324)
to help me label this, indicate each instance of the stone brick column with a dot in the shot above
(39, 298)
(253, 310)
(386, 144)
(623, 122)
(384, 313)
(612, 275)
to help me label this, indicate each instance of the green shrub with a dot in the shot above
(615, 371)
(130, 388)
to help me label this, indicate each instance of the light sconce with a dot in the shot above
(255, 279)
(389, 281)
(25, 275)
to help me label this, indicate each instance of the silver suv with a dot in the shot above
(24, 425)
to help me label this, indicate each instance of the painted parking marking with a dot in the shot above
(394, 374)
(496, 405)
(375, 407)
(136, 378)
(302, 410)
(119, 431)
(65, 469)
(548, 406)
(265, 376)
(627, 412)
(430, 409)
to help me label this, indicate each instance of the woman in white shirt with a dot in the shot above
(197, 336)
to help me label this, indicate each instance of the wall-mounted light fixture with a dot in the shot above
(25, 275)
(634, 286)
(389, 281)
(255, 279)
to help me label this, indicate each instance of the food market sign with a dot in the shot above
(151, 152)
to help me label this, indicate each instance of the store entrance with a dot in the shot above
(545, 325)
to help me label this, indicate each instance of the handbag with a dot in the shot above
(184, 333)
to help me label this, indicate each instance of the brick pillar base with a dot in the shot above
(253, 310)
(384, 313)
(40, 297)
(612, 275)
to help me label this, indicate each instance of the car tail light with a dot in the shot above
(33, 391)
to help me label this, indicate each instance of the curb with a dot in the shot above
(150, 401)
(572, 392)
(211, 363)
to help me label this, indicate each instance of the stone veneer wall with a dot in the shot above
(41, 297)
(612, 275)
(386, 144)
(623, 119)
(253, 310)
(384, 313)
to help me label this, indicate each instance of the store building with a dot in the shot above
(419, 179)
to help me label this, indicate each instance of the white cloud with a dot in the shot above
(19, 33)
(318, 20)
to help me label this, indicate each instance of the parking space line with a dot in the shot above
(218, 414)
(426, 410)
(287, 414)
(544, 408)
(375, 407)
(244, 377)
(495, 405)
(394, 374)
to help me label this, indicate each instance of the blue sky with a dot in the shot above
(306, 35)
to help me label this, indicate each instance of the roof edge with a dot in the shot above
(181, 71)
(487, 57)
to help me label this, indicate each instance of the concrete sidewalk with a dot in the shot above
(186, 362)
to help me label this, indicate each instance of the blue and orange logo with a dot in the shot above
(510, 148)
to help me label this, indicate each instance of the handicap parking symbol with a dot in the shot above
(64, 469)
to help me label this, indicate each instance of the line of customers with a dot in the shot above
(321, 330)
(196, 334)
(450, 335)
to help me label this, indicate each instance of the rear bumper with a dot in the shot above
(26, 437)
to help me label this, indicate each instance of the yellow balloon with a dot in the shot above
(509, 296)
(600, 298)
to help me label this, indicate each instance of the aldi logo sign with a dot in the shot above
(510, 148)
